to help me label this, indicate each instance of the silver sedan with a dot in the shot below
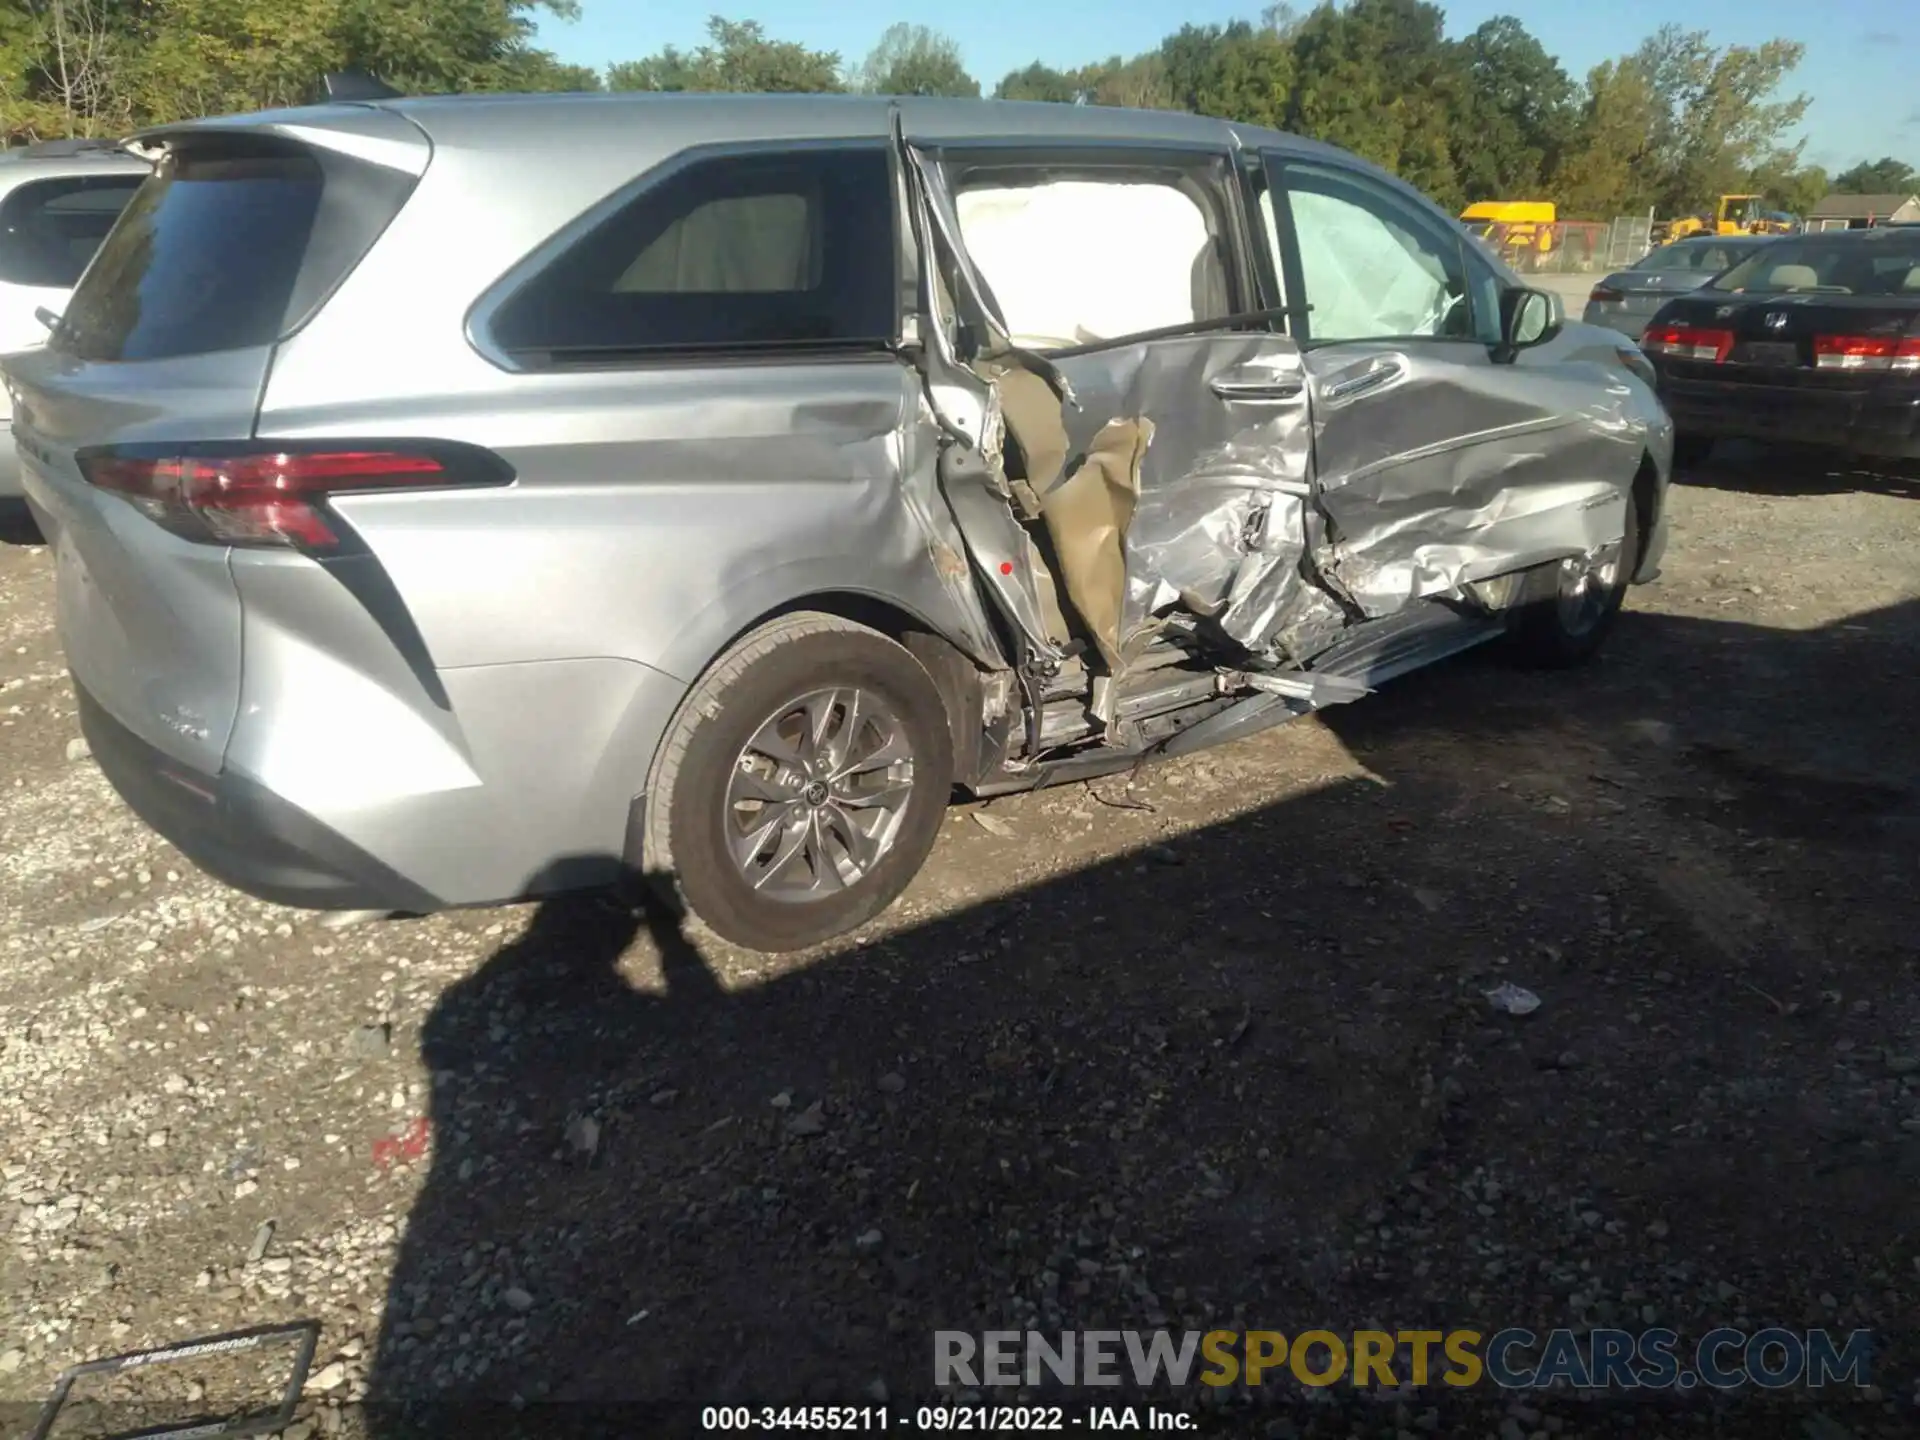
(1627, 299)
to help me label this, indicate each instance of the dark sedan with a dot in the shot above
(1627, 299)
(1814, 339)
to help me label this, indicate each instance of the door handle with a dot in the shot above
(1360, 384)
(1267, 390)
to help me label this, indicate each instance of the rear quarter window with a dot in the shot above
(764, 249)
(50, 229)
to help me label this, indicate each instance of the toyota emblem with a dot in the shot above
(1777, 320)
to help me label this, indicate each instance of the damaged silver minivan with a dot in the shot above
(460, 499)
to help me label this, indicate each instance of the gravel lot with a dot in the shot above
(1207, 1051)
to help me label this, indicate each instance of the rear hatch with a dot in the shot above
(241, 235)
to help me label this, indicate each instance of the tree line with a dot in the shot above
(1487, 116)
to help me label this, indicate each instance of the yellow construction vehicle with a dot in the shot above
(1517, 228)
(1736, 215)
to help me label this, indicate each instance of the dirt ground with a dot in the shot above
(1212, 1050)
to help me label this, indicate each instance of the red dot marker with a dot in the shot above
(1006, 567)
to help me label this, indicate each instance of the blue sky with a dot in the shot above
(1862, 55)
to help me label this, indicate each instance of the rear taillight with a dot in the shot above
(1603, 296)
(1866, 352)
(1689, 342)
(251, 495)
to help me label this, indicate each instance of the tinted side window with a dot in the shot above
(1373, 266)
(769, 249)
(49, 229)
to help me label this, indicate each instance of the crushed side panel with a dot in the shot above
(1435, 474)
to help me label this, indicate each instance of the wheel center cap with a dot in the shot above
(815, 793)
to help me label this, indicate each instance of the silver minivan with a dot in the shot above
(461, 499)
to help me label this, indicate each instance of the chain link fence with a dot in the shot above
(1572, 247)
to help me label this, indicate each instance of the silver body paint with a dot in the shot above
(661, 510)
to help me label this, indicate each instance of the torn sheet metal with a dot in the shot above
(1318, 691)
(968, 408)
(946, 546)
(1224, 522)
(1435, 473)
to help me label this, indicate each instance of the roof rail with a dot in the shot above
(342, 85)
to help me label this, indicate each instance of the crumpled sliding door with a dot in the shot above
(1162, 472)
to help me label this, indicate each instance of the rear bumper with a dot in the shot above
(240, 833)
(1884, 422)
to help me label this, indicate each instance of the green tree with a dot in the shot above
(1788, 184)
(670, 69)
(68, 68)
(107, 66)
(1136, 84)
(536, 72)
(914, 60)
(1607, 169)
(1716, 112)
(1235, 72)
(1677, 123)
(1040, 82)
(1518, 115)
(738, 59)
(1885, 176)
(1377, 77)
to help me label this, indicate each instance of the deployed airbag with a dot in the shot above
(1365, 277)
(1074, 261)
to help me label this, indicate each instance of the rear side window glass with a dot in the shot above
(227, 249)
(50, 229)
(769, 249)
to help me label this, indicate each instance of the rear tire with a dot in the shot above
(1571, 608)
(801, 786)
(1692, 450)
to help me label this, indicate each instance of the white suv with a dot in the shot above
(57, 202)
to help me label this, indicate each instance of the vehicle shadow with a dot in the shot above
(1755, 469)
(16, 524)
(1242, 1078)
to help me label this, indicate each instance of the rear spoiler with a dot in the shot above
(342, 87)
